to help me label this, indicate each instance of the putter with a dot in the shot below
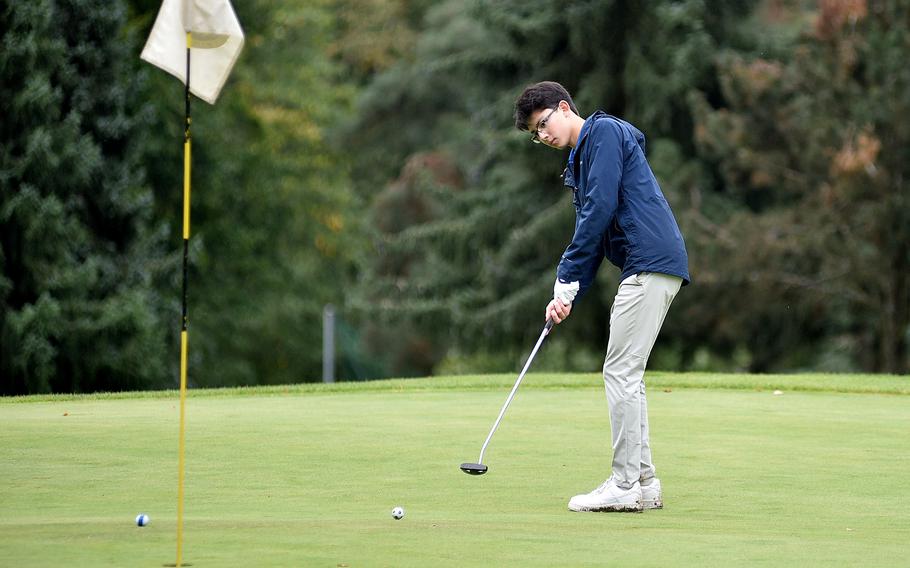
(478, 468)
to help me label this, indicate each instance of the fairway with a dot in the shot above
(308, 476)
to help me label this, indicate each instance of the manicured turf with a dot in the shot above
(307, 476)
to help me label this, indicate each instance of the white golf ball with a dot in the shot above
(142, 519)
(397, 513)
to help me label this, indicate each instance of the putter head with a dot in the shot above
(474, 468)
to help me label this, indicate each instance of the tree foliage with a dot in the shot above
(814, 146)
(776, 129)
(363, 154)
(475, 272)
(274, 224)
(79, 247)
(91, 202)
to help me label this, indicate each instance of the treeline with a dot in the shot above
(362, 154)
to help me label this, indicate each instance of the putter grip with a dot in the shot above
(549, 325)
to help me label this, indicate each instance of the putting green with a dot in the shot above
(308, 476)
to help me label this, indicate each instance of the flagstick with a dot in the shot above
(187, 144)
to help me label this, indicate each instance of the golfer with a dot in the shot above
(620, 214)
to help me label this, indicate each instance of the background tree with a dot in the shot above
(275, 224)
(91, 202)
(79, 246)
(815, 145)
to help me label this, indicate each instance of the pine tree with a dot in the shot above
(78, 247)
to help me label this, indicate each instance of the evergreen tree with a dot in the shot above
(78, 247)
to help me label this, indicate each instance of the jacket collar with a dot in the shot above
(569, 174)
(585, 129)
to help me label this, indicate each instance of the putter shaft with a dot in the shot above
(502, 412)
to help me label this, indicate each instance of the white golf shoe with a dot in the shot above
(651, 495)
(608, 497)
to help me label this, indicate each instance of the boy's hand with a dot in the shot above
(557, 311)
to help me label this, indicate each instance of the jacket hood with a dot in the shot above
(636, 133)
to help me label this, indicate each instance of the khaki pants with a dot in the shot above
(638, 312)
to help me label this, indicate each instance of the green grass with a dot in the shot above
(307, 475)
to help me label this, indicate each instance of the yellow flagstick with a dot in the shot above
(223, 41)
(187, 144)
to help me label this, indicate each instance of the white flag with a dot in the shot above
(216, 43)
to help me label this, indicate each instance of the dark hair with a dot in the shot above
(538, 97)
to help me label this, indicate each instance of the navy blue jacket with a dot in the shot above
(620, 212)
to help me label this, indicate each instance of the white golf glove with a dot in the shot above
(565, 291)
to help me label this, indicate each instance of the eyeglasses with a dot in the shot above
(535, 138)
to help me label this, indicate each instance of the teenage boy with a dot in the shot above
(622, 215)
